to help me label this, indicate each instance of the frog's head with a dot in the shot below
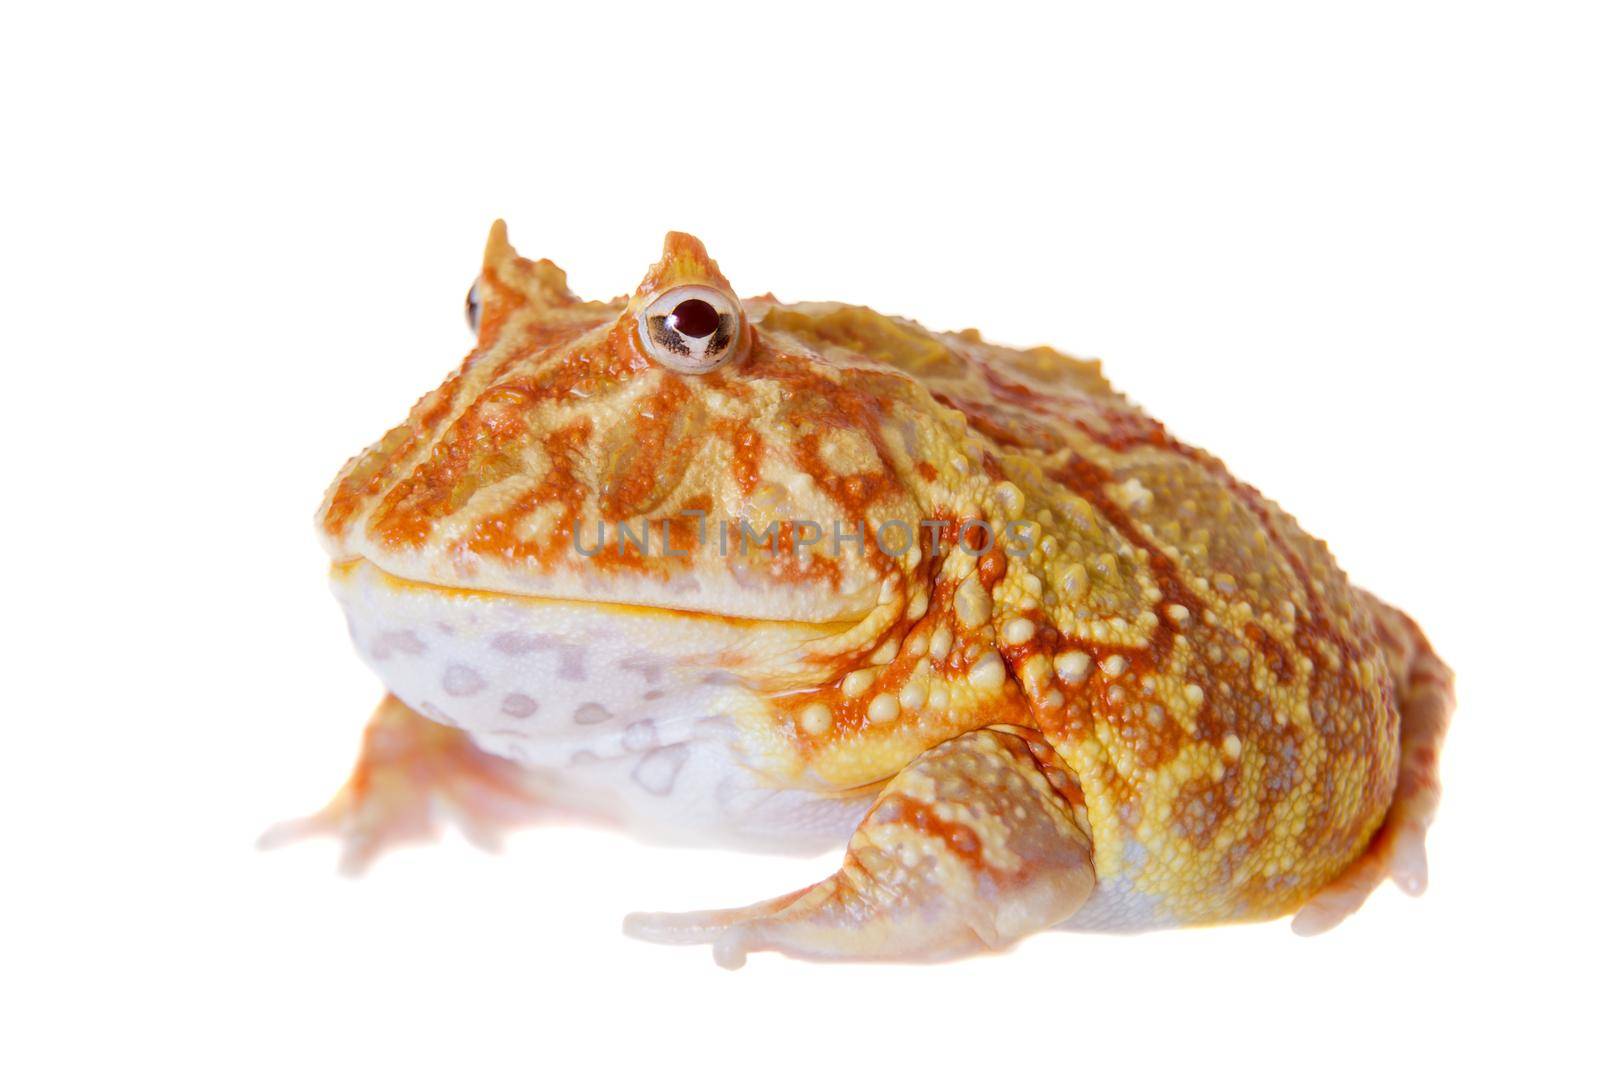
(662, 451)
(773, 492)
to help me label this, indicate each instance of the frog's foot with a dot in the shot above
(1397, 850)
(968, 849)
(413, 774)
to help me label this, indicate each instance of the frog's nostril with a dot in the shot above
(694, 318)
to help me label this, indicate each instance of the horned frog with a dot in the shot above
(784, 576)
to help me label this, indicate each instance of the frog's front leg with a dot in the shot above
(412, 774)
(970, 848)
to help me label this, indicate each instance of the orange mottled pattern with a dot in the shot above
(1210, 688)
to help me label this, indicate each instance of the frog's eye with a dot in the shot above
(692, 328)
(474, 308)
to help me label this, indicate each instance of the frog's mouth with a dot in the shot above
(361, 569)
(732, 584)
(398, 623)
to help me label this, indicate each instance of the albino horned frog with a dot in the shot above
(785, 576)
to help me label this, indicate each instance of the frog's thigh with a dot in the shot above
(969, 848)
(1427, 698)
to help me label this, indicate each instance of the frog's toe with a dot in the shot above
(1340, 899)
(969, 849)
(1408, 865)
(1397, 852)
(700, 927)
(359, 845)
(414, 775)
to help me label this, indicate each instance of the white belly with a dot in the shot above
(625, 713)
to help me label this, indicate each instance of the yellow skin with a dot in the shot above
(1089, 677)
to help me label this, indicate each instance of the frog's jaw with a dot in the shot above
(564, 460)
(550, 677)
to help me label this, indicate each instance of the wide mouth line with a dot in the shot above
(342, 568)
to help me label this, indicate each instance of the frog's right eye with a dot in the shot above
(692, 328)
(474, 308)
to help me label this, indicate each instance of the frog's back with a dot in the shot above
(1200, 662)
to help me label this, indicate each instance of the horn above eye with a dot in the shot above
(691, 328)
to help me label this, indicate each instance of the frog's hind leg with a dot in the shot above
(1427, 697)
(970, 848)
(412, 775)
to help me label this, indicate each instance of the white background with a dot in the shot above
(1351, 248)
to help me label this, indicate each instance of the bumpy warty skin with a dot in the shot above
(1215, 703)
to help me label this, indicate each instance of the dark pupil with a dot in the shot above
(473, 308)
(694, 318)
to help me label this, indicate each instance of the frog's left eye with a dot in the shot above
(692, 328)
(474, 308)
